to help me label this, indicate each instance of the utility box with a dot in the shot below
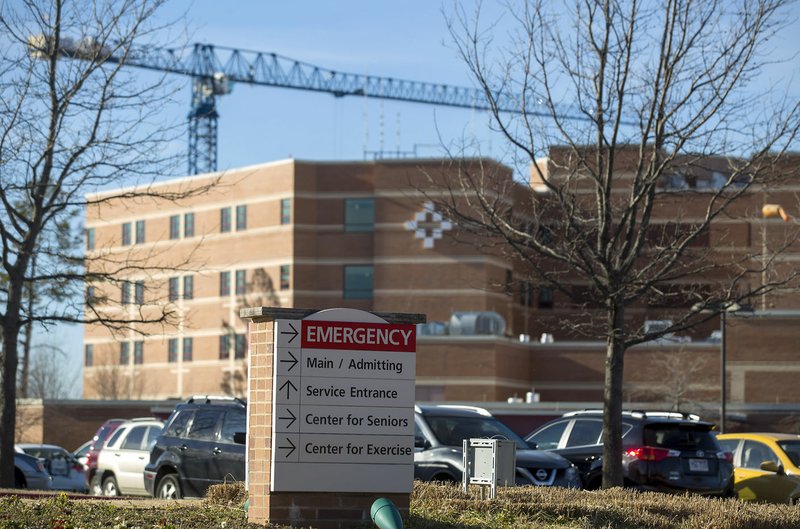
(489, 462)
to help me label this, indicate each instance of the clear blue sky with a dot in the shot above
(401, 39)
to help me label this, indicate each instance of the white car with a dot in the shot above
(120, 465)
(66, 471)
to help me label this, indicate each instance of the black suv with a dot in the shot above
(201, 444)
(441, 430)
(662, 451)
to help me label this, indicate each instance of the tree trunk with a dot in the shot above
(612, 399)
(9, 400)
(27, 345)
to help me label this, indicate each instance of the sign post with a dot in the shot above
(341, 413)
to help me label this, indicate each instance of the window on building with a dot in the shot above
(88, 355)
(510, 283)
(188, 287)
(241, 282)
(124, 353)
(358, 282)
(125, 292)
(174, 288)
(224, 283)
(241, 218)
(138, 292)
(187, 349)
(225, 220)
(126, 234)
(138, 352)
(224, 346)
(175, 227)
(139, 232)
(240, 349)
(285, 277)
(359, 214)
(286, 211)
(188, 225)
(545, 298)
(172, 350)
(90, 295)
(90, 239)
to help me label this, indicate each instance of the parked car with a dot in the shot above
(82, 453)
(202, 443)
(66, 471)
(100, 437)
(766, 466)
(120, 464)
(30, 473)
(662, 451)
(441, 430)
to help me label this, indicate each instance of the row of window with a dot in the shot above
(358, 284)
(235, 343)
(229, 343)
(359, 216)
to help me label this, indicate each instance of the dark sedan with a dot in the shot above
(439, 436)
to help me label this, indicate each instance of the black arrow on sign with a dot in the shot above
(293, 361)
(290, 448)
(291, 419)
(289, 387)
(293, 333)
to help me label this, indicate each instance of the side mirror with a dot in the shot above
(533, 445)
(240, 438)
(421, 443)
(772, 466)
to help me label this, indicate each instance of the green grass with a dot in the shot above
(433, 506)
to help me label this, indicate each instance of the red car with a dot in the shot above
(99, 439)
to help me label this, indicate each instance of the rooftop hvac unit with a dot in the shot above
(477, 323)
(432, 328)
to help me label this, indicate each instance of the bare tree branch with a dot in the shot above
(630, 208)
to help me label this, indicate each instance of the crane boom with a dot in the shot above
(213, 68)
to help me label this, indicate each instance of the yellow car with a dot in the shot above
(766, 465)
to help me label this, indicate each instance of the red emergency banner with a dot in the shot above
(359, 336)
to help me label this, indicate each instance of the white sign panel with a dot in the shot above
(343, 404)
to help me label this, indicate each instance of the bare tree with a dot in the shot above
(114, 382)
(50, 375)
(659, 143)
(73, 120)
(675, 379)
(234, 383)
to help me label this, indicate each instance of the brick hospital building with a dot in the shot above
(316, 235)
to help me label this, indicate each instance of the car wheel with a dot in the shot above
(110, 487)
(168, 488)
(95, 486)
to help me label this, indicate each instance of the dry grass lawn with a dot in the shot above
(433, 506)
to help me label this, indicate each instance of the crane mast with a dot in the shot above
(214, 69)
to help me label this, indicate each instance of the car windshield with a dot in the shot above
(451, 431)
(679, 437)
(792, 449)
(45, 452)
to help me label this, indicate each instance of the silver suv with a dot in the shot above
(120, 465)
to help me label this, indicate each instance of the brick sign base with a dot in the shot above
(320, 510)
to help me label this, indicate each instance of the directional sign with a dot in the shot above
(343, 404)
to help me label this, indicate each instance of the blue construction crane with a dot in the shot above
(213, 69)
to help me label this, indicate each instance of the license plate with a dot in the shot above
(698, 465)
